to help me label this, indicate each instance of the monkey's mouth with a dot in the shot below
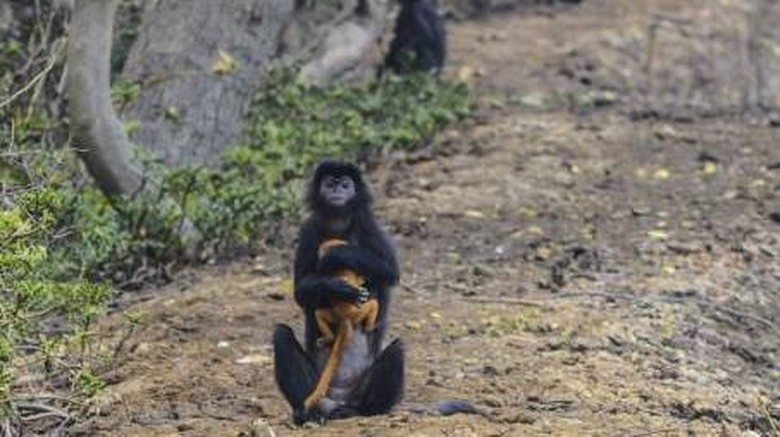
(338, 200)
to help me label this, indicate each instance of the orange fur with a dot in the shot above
(347, 315)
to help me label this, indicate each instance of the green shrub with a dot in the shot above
(290, 128)
(44, 318)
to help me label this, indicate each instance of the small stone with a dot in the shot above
(682, 248)
(254, 359)
(489, 371)
(523, 418)
(493, 402)
(706, 157)
(543, 253)
(261, 428)
(275, 296)
(640, 210)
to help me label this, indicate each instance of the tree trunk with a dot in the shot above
(98, 135)
(189, 112)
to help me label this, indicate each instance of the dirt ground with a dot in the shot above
(596, 255)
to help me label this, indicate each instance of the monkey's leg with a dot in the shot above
(295, 372)
(381, 387)
(384, 381)
(324, 318)
(331, 366)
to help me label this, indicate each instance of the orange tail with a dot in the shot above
(323, 385)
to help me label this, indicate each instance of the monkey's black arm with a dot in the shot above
(312, 289)
(377, 267)
(315, 291)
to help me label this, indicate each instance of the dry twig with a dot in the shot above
(38, 77)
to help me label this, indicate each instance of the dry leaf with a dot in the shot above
(254, 359)
(709, 168)
(414, 326)
(466, 73)
(225, 63)
(657, 234)
(662, 173)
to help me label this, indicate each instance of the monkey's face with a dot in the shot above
(337, 191)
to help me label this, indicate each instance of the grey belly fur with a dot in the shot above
(353, 364)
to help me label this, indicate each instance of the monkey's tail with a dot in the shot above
(331, 366)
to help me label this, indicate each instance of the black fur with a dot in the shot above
(420, 41)
(371, 254)
(382, 386)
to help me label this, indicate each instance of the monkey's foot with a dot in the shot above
(312, 400)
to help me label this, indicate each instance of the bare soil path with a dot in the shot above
(597, 255)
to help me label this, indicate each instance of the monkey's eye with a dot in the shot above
(346, 184)
(329, 183)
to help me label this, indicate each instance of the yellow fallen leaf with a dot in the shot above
(173, 114)
(529, 212)
(668, 269)
(534, 100)
(535, 230)
(435, 315)
(474, 214)
(287, 286)
(709, 168)
(225, 63)
(466, 73)
(662, 173)
(413, 325)
(666, 131)
(657, 234)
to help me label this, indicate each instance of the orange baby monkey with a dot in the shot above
(346, 315)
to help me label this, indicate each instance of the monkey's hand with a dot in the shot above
(318, 292)
(349, 293)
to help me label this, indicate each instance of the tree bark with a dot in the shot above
(346, 49)
(189, 113)
(98, 135)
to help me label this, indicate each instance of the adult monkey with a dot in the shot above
(369, 380)
(420, 41)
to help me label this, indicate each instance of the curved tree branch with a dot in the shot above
(98, 136)
(97, 132)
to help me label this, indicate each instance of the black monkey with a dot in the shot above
(420, 41)
(369, 380)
